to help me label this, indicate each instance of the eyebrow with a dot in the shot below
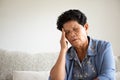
(66, 30)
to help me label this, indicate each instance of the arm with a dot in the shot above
(58, 72)
(107, 71)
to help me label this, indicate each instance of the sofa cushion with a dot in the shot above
(30, 75)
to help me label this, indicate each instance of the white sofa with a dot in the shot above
(19, 64)
(26, 66)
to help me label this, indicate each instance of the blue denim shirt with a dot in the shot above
(99, 62)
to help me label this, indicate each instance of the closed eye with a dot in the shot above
(75, 29)
(67, 32)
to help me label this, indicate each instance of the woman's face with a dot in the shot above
(75, 33)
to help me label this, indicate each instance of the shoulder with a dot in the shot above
(101, 44)
(102, 48)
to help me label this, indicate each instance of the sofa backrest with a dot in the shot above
(11, 61)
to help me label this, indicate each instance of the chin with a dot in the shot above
(76, 44)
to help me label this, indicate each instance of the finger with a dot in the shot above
(63, 33)
(63, 36)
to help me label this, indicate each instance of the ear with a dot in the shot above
(86, 26)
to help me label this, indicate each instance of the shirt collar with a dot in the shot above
(71, 53)
(91, 51)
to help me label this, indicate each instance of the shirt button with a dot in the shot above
(80, 76)
(75, 75)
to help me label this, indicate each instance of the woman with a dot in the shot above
(87, 58)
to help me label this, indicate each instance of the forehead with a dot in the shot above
(71, 24)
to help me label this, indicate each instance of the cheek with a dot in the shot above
(85, 31)
(68, 38)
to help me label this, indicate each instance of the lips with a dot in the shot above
(74, 40)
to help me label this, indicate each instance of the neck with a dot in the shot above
(82, 50)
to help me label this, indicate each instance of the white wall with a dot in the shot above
(30, 25)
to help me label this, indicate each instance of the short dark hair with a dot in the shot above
(72, 14)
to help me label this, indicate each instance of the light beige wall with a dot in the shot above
(30, 25)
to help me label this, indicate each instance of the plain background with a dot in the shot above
(30, 25)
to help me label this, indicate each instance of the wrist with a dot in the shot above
(63, 50)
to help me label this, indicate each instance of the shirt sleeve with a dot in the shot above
(107, 71)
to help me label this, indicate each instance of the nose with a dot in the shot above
(72, 34)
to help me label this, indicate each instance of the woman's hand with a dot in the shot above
(63, 41)
(58, 72)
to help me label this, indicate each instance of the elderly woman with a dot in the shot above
(87, 58)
